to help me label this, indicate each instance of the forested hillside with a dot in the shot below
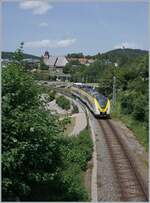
(9, 55)
(128, 52)
(131, 75)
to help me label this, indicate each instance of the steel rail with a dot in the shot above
(131, 184)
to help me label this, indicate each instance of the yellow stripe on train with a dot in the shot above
(99, 107)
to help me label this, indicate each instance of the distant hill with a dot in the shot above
(121, 56)
(9, 55)
(128, 52)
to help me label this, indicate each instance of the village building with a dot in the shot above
(56, 65)
(82, 60)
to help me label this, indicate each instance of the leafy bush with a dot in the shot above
(76, 151)
(75, 108)
(30, 137)
(140, 111)
(73, 187)
(42, 75)
(35, 162)
(127, 104)
(63, 102)
(52, 95)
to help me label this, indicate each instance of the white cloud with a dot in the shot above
(43, 24)
(126, 45)
(36, 6)
(50, 43)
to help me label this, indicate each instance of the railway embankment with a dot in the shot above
(78, 129)
(78, 120)
(138, 127)
(129, 160)
(101, 176)
(136, 152)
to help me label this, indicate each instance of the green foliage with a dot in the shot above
(18, 55)
(73, 189)
(35, 162)
(139, 128)
(10, 55)
(134, 100)
(140, 112)
(83, 73)
(131, 85)
(51, 95)
(127, 104)
(106, 81)
(131, 79)
(18, 89)
(121, 56)
(63, 102)
(66, 121)
(41, 75)
(75, 55)
(70, 66)
(94, 72)
(78, 149)
(75, 69)
(76, 152)
(75, 108)
(48, 91)
(30, 137)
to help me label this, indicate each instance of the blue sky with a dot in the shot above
(63, 28)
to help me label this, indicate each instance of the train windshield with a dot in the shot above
(102, 100)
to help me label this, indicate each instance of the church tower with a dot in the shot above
(46, 57)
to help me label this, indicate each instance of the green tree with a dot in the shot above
(34, 164)
(63, 102)
(30, 137)
(18, 56)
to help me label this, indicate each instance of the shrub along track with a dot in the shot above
(132, 187)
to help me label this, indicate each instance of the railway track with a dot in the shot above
(131, 185)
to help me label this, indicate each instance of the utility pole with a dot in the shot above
(114, 91)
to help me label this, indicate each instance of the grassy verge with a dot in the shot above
(41, 75)
(63, 102)
(69, 127)
(77, 151)
(137, 127)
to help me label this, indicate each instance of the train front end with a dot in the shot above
(102, 106)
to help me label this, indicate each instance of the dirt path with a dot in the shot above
(80, 119)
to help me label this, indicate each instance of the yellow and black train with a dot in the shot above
(96, 102)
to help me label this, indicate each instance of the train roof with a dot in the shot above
(90, 90)
(94, 93)
(82, 85)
